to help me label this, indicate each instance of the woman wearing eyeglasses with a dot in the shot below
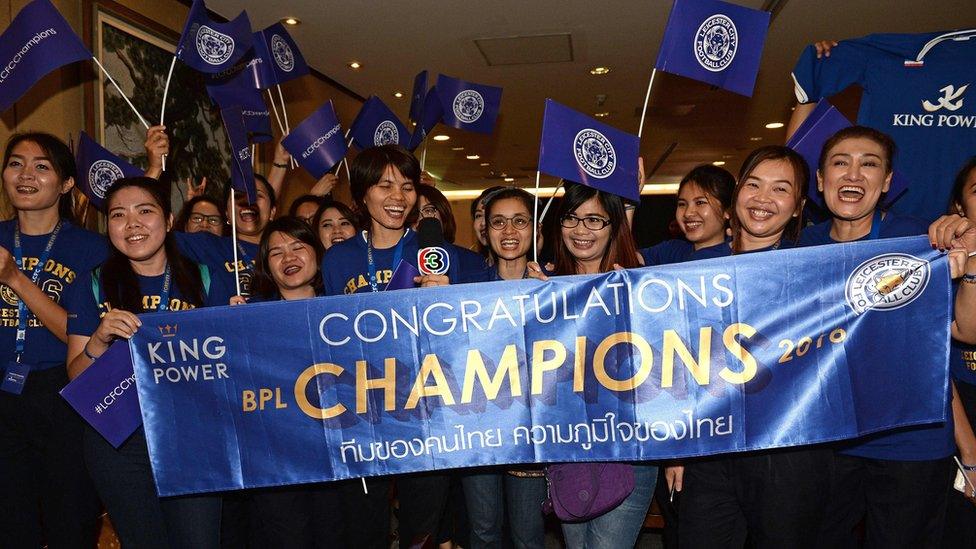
(201, 213)
(432, 203)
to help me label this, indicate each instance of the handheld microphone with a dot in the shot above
(432, 257)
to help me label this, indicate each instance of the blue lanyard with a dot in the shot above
(164, 293)
(371, 265)
(875, 226)
(244, 256)
(22, 312)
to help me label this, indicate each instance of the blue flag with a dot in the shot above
(714, 42)
(281, 58)
(430, 114)
(418, 95)
(237, 86)
(577, 148)
(317, 143)
(105, 395)
(469, 106)
(376, 125)
(98, 168)
(734, 354)
(242, 172)
(37, 41)
(210, 47)
(824, 121)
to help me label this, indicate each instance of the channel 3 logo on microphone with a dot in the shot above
(433, 260)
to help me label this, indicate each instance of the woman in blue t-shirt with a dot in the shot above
(704, 198)
(43, 480)
(872, 477)
(594, 237)
(775, 497)
(144, 273)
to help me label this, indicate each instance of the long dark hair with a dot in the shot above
(959, 186)
(801, 178)
(119, 281)
(62, 161)
(346, 212)
(263, 283)
(184, 215)
(621, 248)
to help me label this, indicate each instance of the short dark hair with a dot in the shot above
(346, 212)
(510, 192)
(485, 194)
(855, 132)
(306, 198)
(62, 161)
(184, 215)
(368, 167)
(715, 181)
(801, 174)
(263, 283)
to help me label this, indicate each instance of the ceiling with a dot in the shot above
(396, 39)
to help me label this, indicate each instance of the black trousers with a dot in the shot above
(42, 471)
(960, 526)
(903, 503)
(775, 498)
(423, 497)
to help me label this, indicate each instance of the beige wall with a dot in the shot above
(57, 103)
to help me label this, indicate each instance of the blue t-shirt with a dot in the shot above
(217, 252)
(927, 108)
(85, 306)
(345, 266)
(892, 226)
(962, 357)
(74, 253)
(469, 261)
(906, 444)
(678, 250)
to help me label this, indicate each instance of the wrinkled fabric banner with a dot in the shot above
(756, 351)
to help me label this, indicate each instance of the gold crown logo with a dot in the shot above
(168, 330)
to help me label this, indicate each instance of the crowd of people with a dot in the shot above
(68, 293)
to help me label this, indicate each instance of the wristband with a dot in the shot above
(967, 467)
(277, 165)
(89, 355)
(970, 278)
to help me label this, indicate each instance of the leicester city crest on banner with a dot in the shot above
(386, 133)
(468, 106)
(101, 175)
(214, 47)
(716, 42)
(282, 54)
(594, 153)
(886, 282)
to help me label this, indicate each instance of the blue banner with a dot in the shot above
(376, 125)
(755, 351)
(317, 143)
(714, 42)
(467, 105)
(577, 148)
(209, 46)
(37, 41)
(98, 168)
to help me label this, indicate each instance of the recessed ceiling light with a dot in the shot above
(457, 148)
(755, 139)
(473, 157)
(603, 114)
(503, 174)
(718, 163)
(398, 95)
(354, 65)
(441, 137)
(599, 71)
(774, 125)
(485, 164)
(509, 179)
(291, 21)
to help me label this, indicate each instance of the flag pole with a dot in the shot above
(162, 109)
(343, 161)
(535, 215)
(253, 158)
(647, 98)
(284, 115)
(274, 108)
(423, 157)
(549, 203)
(233, 234)
(118, 89)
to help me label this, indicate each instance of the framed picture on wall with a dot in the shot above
(137, 52)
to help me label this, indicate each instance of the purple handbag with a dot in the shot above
(582, 491)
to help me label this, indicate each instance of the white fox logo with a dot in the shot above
(949, 94)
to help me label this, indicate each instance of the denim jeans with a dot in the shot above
(618, 528)
(124, 480)
(483, 495)
(524, 497)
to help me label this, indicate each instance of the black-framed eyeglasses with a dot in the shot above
(212, 220)
(499, 222)
(428, 211)
(591, 222)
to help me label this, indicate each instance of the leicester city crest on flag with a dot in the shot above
(594, 153)
(98, 169)
(716, 42)
(214, 47)
(468, 105)
(282, 53)
(386, 133)
(101, 175)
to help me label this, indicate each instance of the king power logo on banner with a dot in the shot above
(756, 351)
